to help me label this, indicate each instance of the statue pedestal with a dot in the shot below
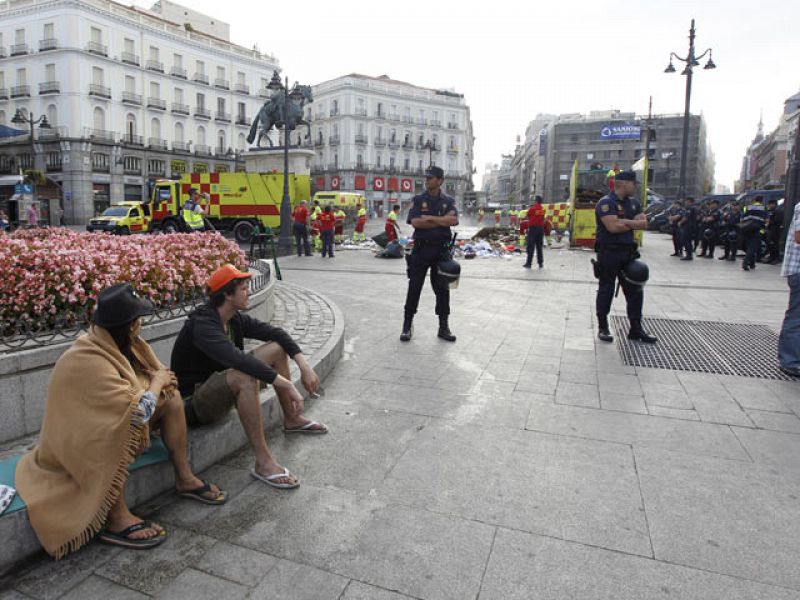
(268, 160)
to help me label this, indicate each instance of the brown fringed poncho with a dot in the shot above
(89, 436)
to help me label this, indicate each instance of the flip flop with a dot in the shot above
(197, 494)
(123, 539)
(312, 427)
(270, 479)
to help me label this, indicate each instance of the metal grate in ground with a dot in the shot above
(745, 350)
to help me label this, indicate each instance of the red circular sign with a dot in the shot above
(378, 183)
(406, 185)
(335, 181)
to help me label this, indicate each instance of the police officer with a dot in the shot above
(431, 215)
(730, 228)
(674, 215)
(710, 226)
(774, 230)
(687, 225)
(753, 221)
(618, 214)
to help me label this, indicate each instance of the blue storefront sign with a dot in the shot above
(23, 188)
(620, 131)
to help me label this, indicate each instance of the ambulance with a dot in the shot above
(122, 219)
(343, 199)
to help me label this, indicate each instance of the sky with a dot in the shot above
(515, 59)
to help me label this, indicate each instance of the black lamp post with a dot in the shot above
(20, 118)
(431, 146)
(275, 84)
(690, 61)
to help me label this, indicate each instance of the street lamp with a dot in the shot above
(431, 146)
(20, 118)
(690, 61)
(275, 84)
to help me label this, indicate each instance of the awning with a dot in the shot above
(10, 179)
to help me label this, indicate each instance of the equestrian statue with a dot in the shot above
(281, 110)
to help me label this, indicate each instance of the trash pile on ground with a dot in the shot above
(497, 242)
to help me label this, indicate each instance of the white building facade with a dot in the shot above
(131, 96)
(375, 136)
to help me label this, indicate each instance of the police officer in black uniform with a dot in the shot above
(753, 221)
(431, 215)
(730, 231)
(674, 215)
(774, 231)
(617, 216)
(688, 224)
(710, 225)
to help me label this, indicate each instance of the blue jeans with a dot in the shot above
(789, 341)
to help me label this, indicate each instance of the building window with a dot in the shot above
(99, 161)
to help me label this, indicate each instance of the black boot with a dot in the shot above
(408, 329)
(603, 333)
(444, 330)
(637, 333)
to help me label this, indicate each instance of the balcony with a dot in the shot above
(129, 58)
(19, 49)
(131, 98)
(200, 78)
(48, 44)
(97, 48)
(49, 87)
(380, 143)
(182, 147)
(180, 109)
(243, 120)
(394, 144)
(101, 135)
(221, 152)
(202, 150)
(132, 169)
(334, 112)
(435, 123)
(408, 145)
(222, 84)
(451, 125)
(334, 140)
(319, 143)
(452, 149)
(21, 91)
(156, 143)
(132, 140)
(407, 119)
(3, 93)
(361, 139)
(101, 91)
(52, 134)
(156, 103)
(179, 72)
(241, 88)
(360, 112)
(154, 65)
(223, 116)
(202, 113)
(422, 121)
(394, 117)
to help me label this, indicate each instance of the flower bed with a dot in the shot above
(53, 276)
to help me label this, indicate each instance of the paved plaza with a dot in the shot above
(527, 460)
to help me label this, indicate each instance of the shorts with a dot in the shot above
(210, 401)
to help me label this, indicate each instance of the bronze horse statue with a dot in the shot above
(273, 113)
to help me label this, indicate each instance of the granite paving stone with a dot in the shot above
(293, 581)
(577, 394)
(668, 396)
(771, 447)
(775, 421)
(98, 588)
(730, 517)
(622, 402)
(236, 563)
(568, 488)
(362, 591)
(725, 411)
(201, 586)
(675, 413)
(524, 566)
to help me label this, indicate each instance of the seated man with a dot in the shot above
(107, 392)
(215, 374)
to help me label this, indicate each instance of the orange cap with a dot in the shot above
(223, 276)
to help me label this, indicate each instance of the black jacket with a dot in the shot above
(203, 348)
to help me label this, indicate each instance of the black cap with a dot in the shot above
(625, 176)
(193, 191)
(119, 305)
(434, 172)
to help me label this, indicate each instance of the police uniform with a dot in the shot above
(675, 211)
(710, 221)
(730, 234)
(753, 221)
(430, 247)
(687, 230)
(614, 252)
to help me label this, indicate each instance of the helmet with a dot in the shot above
(732, 235)
(449, 272)
(708, 234)
(636, 272)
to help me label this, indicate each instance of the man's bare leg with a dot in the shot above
(120, 518)
(273, 355)
(173, 431)
(248, 406)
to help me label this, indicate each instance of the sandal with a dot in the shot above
(123, 539)
(270, 479)
(311, 427)
(198, 494)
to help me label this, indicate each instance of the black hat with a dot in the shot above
(119, 305)
(434, 172)
(625, 176)
(193, 191)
